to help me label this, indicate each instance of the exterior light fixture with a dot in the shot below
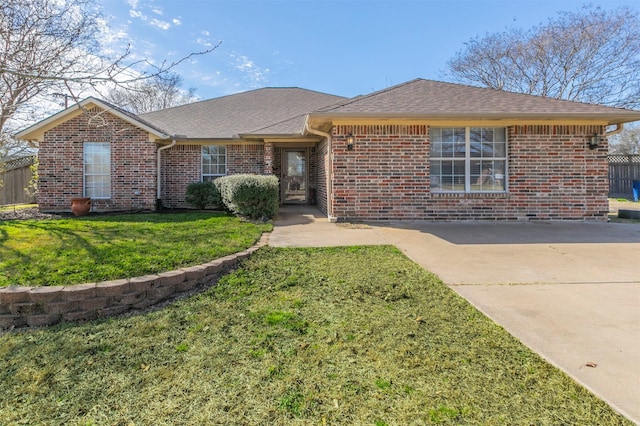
(594, 142)
(350, 141)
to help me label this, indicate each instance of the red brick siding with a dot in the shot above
(276, 167)
(133, 176)
(182, 165)
(321, 175)
(245, 159)
(268, 158)
(552, 175)
(313, 168)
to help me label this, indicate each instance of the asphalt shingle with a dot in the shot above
(428, 97)
(227, 116)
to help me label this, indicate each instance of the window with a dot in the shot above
(214, 162)
(468, 159)
(97, 169)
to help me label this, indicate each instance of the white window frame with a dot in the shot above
(103, 191)
(468, 159)
(212, 176)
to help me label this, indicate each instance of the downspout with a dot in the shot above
(308, 129)
(159, 166)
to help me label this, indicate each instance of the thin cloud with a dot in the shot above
(163, 25)
(112, 39)
(137, 11)
(254, 75)
(204, 42)
(137, 14)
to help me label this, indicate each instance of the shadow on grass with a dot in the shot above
(105, 247)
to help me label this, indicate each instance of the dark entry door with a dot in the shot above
(294, 179)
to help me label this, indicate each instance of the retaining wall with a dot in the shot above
(43, 306)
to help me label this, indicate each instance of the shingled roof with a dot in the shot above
(428, 98)
(284, 108)
(283, 111)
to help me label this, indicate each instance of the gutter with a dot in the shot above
(611, 118)
(159, 166)
(308, 129)
(619, 128)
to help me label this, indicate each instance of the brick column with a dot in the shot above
(268, 158)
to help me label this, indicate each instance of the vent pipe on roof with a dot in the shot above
(308, 129)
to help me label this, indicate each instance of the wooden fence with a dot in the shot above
(14, 178)
(623, 170)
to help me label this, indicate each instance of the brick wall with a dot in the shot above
(276, 168)
(552, 175)
(182, 165)
(321, 175)
(551, 172)
(133, 166)
(312, 165)
(245, 159)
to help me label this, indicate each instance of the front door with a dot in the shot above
(294, 176)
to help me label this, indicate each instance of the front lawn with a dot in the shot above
(333, 336)
(99, 248)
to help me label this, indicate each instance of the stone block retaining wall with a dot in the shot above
(43, 306)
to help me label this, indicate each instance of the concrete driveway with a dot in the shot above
(569, 291)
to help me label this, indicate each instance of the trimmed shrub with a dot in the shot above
(202, 195)
(254, 196)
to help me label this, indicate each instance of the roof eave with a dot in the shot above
(602, 118)
(36, 131)
(279, 137)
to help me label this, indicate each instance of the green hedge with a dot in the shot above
(202, 195)
(254, 196)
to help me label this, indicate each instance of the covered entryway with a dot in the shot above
(295, 165)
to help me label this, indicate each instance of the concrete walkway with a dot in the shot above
(569, 291)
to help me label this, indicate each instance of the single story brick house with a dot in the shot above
(421, 150)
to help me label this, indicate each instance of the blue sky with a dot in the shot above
(347, 47)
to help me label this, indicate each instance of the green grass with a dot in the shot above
(335, 336)
(613, 217)
(99, 248)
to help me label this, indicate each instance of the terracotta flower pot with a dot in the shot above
(80, 206)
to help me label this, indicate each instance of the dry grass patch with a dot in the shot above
(334, 336)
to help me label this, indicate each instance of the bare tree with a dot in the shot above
(49, 46)
(159, 92)
(589, 56)
(627, 142)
